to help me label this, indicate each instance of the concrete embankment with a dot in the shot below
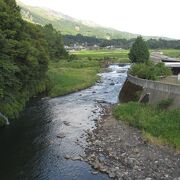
(149, 91)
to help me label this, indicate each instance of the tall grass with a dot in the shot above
(159, 123)
(67, 77)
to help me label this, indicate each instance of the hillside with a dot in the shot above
(69, 25)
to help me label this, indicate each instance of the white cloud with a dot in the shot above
(147, 17)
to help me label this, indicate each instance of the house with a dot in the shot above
(175, 66)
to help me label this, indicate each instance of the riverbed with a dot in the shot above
(49, 138)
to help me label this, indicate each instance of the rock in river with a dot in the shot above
(61, 135)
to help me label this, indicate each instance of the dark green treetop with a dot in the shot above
(139, 52)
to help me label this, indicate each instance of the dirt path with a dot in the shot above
(120, 151)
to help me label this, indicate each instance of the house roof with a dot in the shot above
(172, 64)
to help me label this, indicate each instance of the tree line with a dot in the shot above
(70, 40)
(25, 50)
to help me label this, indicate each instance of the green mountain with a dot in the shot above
(69, 25)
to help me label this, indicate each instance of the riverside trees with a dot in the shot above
(24, 54)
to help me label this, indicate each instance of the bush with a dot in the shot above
(72, 57)
(164, 104)
(149, 70)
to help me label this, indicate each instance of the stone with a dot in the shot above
(76, 158)
(112, 84)
(67, 157)
(94, 172)
(61, 135)
(111, 175)
(66, 123)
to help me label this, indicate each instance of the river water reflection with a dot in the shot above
(29, 147)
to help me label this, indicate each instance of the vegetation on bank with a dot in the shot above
(80, 71)
(25, 50)
(71, 76)
(158, 124)
(117, 56)
(150, 70)
(30, 56)
(172, 53)
(142, 67)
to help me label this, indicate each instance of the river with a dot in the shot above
(30, 147)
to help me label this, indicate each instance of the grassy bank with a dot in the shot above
(71, 76)
(171, 52)
(158, 125)
(113, 55)
(67, 77)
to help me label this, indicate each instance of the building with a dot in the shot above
(175, 66)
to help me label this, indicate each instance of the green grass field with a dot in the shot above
(71, 76)
(161, 126)
(114, 55)
(67, 77)
(171, 53)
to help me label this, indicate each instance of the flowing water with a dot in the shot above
(30, 148)
(5, 118)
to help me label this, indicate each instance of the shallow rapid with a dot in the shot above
(38, 145)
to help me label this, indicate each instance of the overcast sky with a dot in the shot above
(146, 17)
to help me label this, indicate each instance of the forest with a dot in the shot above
(120, 43)
(25, 51)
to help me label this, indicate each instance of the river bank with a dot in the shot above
(50, 130)
(121, 151)
(72, 76)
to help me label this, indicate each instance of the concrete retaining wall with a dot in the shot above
(156, 91)
(155, 85)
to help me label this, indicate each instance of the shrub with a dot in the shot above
(72, 57)
(164, 104)
(149, 70)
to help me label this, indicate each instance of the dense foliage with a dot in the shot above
(149, 70)
(79, 39)
(163, 44)
(24, 53)
(55, 43)
(155, 122)
(139, 51)
(119, 43)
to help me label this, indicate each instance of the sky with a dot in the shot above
(145, 17)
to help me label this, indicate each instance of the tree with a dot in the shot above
(139, 51)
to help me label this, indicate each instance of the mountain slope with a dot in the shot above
(72, 26)
(69, 25)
